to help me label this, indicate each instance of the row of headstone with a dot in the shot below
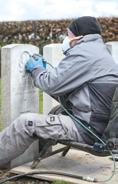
(18, 92)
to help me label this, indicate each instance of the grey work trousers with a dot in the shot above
(28, 127)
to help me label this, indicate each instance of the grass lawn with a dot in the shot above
(41, 102)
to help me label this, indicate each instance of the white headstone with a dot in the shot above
(18, 92)
(113, 46)
(53, 54)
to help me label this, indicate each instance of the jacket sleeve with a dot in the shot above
(72, 72)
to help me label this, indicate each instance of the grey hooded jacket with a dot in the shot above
(87, 78)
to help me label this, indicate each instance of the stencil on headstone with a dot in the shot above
(26, 84)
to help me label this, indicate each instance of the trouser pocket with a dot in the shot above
(50, 128)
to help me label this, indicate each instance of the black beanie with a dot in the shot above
(85, 25)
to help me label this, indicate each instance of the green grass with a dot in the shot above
(60, 182)
(40, 102)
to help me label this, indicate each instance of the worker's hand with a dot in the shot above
(36, 61)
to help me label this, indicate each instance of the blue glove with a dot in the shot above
(36, 61)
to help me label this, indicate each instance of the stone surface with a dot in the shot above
(53, 54)
(18, 92)
(76, 162)
(113, 46)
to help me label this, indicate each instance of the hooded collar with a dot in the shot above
(89, 37)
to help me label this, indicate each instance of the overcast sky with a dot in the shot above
(55, 9)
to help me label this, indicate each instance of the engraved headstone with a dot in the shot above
(113, 46)
(18, 92)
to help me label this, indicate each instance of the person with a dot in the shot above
(85, 79)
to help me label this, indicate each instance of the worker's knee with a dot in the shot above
(25, 123)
